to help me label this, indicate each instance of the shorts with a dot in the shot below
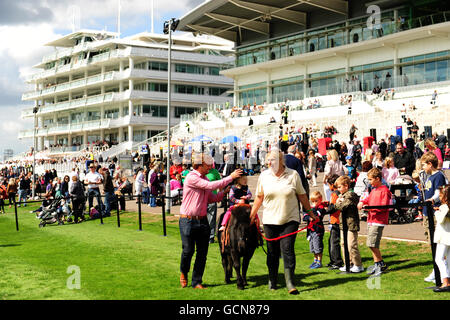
(315, 242)
(374, 234)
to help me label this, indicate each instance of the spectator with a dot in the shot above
(11, 190)
(94, 179)
(315, 235)
(390, 173)
(312, 167)
(431, 146)
(108, 189)
(347, 204)
(442, 240)
(377, 219)
(76, 192)
(431, 181)
(332, 166)
(293, 163)
(403, 160)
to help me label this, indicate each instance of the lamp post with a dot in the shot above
(169, 27)
(33, 192)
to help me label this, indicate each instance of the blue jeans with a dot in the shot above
(94, 193)
(109, 198)
(23, 197)
(194, 234)
(145, 195)
(152, 200)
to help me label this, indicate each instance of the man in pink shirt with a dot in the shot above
(194, 227)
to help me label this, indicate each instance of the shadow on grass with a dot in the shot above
(9, 245)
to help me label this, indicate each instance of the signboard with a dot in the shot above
(126, 164)
(143, 149)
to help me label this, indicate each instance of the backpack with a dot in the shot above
(94, 214)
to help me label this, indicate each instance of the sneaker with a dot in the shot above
(312, 264)
(357, 269)
(343, 269)
(333, 267)
(430, 278)
(317, 265)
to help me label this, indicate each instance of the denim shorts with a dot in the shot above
(315, 242)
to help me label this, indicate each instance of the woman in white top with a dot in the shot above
(139, 184)
(332, 166)
(378, 161)
(312, 166)
(442, 240)
(280, 189)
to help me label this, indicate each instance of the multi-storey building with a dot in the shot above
(295, 49)
(96, 86)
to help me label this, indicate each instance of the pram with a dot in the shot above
(402, 192)
(54, 212)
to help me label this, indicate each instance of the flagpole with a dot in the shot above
(118, 20)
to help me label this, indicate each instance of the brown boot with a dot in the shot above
(183, 280)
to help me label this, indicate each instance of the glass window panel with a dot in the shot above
(441, 70)
(430, 71)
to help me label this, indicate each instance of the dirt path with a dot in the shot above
(411, 231)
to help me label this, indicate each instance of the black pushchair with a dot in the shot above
(402, 193)
(53, 213)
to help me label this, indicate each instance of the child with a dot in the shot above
(315, 236)
(334, 246)
(442, 239)
(347, 204)
(430, 188)
(377, 219)
(239, 193)
(417, 197)
(351, 171)
(389, 173)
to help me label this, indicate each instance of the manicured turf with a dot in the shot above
(124, 263)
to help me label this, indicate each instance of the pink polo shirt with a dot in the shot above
(197, 193)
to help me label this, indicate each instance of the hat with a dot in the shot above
(348, 157)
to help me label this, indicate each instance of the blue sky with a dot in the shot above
(26, 25)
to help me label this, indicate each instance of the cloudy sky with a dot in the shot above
(26, 25)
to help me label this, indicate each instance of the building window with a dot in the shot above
(157, 66)
(184, 110)
(155, 110)
(188, 89)
(159, 87)
(217, 91)
(189, 68)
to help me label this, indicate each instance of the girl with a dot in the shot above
(389, 173)
(239, 193)
(442, 240)
(378, 161)
(11, 190)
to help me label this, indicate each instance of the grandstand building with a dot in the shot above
(96, 86)
(297, 49)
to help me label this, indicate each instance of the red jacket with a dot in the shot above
(174, 169)
(380, 196)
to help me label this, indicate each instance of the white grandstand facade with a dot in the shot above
(300, 51)
(96, 86)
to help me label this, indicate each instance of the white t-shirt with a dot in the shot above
(280, 196)
(93, 177)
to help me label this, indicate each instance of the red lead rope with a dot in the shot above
(309, 226)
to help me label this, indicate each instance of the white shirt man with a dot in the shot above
(93, 178)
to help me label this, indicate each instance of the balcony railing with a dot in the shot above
(87, 101)
(311, 41)
(81, 63)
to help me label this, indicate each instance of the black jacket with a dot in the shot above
(405, 160)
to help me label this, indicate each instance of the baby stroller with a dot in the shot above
(402, 192)
(51, 214)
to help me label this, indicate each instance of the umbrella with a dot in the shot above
(201, 138)
(230, 139)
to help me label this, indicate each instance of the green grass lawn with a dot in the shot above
(124, 263)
